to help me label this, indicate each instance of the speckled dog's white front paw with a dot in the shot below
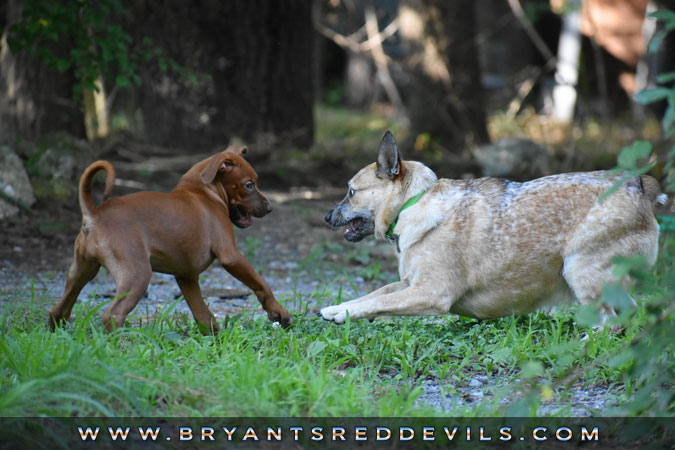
(337, 313)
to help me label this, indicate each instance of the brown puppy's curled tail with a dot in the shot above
(652, 190)
(86, 203)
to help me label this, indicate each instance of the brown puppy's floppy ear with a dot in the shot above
(241, 151)
(388, 160)
(219, 162)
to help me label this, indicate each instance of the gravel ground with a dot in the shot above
(297, 253)
(583, 400)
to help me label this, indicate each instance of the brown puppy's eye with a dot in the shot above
(248, 186)
(351, 192)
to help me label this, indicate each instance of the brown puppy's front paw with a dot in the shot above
(284, 319)
(207, 330)
(54, 322)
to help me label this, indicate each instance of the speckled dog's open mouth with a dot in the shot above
(357, 229)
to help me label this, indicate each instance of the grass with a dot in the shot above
(253, 368)
(164, 367)
(590, 144)
(353, 131)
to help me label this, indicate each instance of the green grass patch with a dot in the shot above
(164, 367)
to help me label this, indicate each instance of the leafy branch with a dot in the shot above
(87, 38)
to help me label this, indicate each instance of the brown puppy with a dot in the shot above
(180, 233)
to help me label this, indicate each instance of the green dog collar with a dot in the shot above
(411, 201)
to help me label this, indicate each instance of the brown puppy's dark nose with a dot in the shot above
(268, 206)
(329, 216)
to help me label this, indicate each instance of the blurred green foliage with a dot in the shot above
(648, 358)
(663, 93)
(643, 362)
(646, 362)
(89, 39)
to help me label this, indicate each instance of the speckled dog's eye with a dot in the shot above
(351, 192)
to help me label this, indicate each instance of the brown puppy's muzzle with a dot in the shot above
(263, 206)
(256, 205)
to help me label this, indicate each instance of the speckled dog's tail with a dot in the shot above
(87, 205)
(652, 190)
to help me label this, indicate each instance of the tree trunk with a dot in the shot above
(442, 84)
(34, 99)
(567, 68)
(359, 80)
(258, 57)
(95, 113)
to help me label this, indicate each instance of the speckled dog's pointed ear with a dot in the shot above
(388, 159)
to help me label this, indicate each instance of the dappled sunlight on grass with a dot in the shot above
(586, 146)
(353, 131)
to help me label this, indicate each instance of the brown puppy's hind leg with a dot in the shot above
(81, 272)
(131, 286)
(189, 286)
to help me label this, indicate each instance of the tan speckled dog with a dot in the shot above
(488, 247)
